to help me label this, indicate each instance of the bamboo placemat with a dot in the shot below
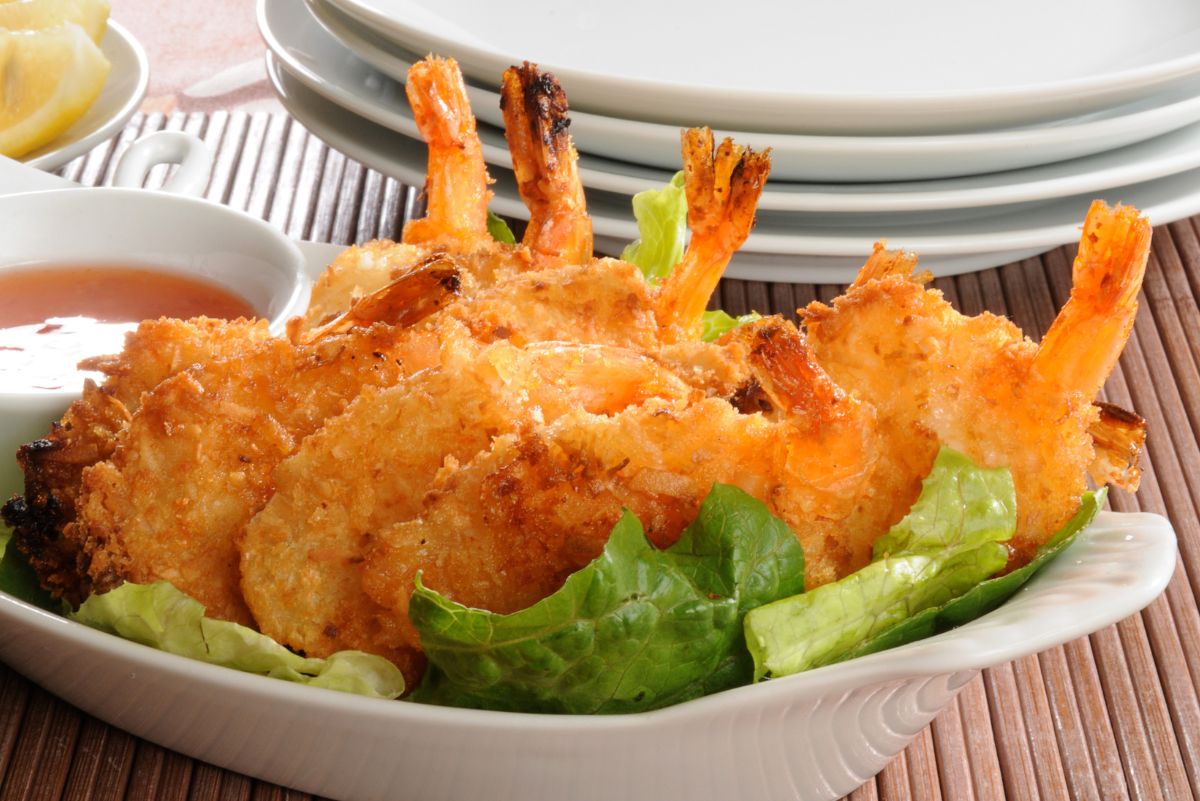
(1111, 716)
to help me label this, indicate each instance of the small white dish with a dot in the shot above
(1029, 227)
(118, 100)
(125, 226)
(795, 157)
(810, 737)
(870, 67)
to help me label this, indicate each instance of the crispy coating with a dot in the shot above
(372, 466)
(977, 384)
(197, 460)
(508, 528)
(43, 520)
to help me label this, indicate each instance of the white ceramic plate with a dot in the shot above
(810, 737)
(118, 100)
(1027, 228)
(871, 67)
(794, 157)
(324, 66)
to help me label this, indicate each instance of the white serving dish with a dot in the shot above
(118, 100)
(809, 737)
(795, 157)
(871, 67)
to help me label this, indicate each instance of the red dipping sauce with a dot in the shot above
(52, 317)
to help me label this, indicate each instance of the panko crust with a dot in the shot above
(197, 461)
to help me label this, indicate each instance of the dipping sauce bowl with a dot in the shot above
(125, 228)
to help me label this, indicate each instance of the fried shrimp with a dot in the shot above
(43, 520)
(978, 385)
(544, 162)
(372, 466)
(197, 458)
(507, 528)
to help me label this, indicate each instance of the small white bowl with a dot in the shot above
(128, 226)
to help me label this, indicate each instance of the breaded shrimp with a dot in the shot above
(544, 162)
(43, 520)
(372, 466)
(978, 385)
(197, 459)
(507, 528)
(608, 301)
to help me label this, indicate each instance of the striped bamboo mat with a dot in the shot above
(1111, 716)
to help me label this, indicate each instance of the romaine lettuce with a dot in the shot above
(499, 229)
(661, 216)
(162, 617)
(17, 577)
(951, 540)
(636, 629)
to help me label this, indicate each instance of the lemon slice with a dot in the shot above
(32, 15)
(48, 78)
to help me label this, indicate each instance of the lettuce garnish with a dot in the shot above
(162, 617)
(661, 216)
(499, 229)
(17, 577)
(636, 629)
(951, 540)
(985, 596)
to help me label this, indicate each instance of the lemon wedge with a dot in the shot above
(48, 78)
(32, 15)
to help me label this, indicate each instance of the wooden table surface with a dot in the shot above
(1110, 716)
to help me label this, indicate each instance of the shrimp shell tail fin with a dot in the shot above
(722, 187)
(545, 163)
(1083, 345)
(412, 297)
(883, 262)
(1118, 436)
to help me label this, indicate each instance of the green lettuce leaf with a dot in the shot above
(716, 322)
(950, 541)
(987, 595)
(661, 216)
(162, 617)
(636, 629)
(499, 229)
(17, 577)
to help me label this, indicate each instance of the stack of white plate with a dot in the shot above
(975, 134)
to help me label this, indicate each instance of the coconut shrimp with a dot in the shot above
(196, 461)
(609, 301)
(978, 385)
(43, 520)
(507, 528)
(373, 465)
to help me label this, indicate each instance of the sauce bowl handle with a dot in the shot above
(167, 147)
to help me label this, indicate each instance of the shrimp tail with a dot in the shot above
(422, 290)
(546, 165)
(723, 187)
(456, 183)
(790, 382)
(883, 262)
(1118, 437)
(1083, 344)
